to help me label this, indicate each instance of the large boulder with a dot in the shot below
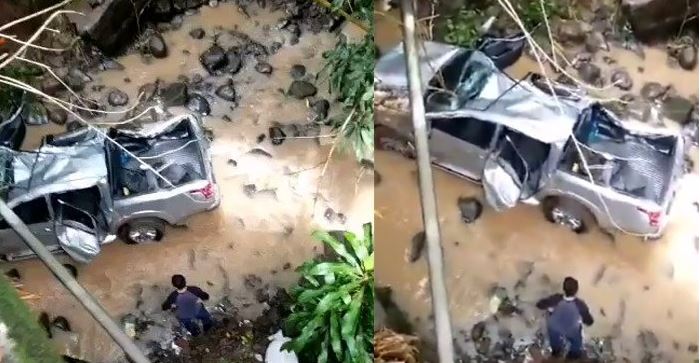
(112, 25)
(654, 19)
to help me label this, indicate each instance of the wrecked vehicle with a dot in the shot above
(523, 144)
(80, 189)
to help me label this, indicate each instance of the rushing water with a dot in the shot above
(630, 285)
(267, 235)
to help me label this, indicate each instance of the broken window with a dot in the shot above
(31, 212)
(471, 130)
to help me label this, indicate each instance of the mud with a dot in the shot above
(632, 286)
(265, 234)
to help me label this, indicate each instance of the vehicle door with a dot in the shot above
(77, 231)
(461, 144)
(504, 175)
(37, 216)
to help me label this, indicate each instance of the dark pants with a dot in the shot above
(191, 324)
(558, 343)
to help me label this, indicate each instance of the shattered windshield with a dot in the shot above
(460, 80)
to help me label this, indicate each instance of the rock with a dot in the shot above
(417, 245)
(263, 67)
(261, 138)
(199, 104)
(34, 114)
(157, 46)
(45, 323)
(277, 136)
(74, 125)
(261, 152)
(13, 274)
(213, 3)
(478, 331)
(62, 323)
(227, 92)
(589, 73)
(234, 62)
(250, 190)
(320, 109)
(297, 71)
(109, 64)
(655, 19)
(117, 98)
(275, 47)
(652, 90)
(213, 59)
(693, 348)
(56, 114)
(688, 57)
(76, 79)
(621, 79)
(302, 89)
(197, 33)
(162, 9)
(111, 27)
(174, 94)
(648, 340)
(596, 41)
(470, 209)
(678, 109)
(176, 22)
(571, 32)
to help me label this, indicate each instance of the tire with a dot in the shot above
(142, 231)
(568, 213)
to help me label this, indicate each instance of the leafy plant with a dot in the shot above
(11, 97)
(530, 11)
(362, 9)
(350, 67)
(463, 27)
(332, 317)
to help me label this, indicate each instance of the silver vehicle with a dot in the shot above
(570, 155)
(80, 190)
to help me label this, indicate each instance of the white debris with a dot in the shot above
(275, 354)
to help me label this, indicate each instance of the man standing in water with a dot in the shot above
(564, 323)
(187, 301)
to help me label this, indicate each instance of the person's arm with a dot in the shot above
(586, 316)
(168, 303)
(549, 302)
(198, 292)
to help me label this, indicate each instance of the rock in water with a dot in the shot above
(320, 109)
(688, 57)
(277, 136)
(264, 68)
(199, 104)
(596, 41)
(117, 98)
(45, 323)
(622, 79)
(61, 323)
(302, 89)
(234, 62)
(589, 73)
(35, 114)
(417, 245)
(652, 90)
(227, 92)
(654, 19)
(157, 46)
(56, 114)
(297, 71)
(213, 59)
(175, 94)
(197, 33)
(470, 209)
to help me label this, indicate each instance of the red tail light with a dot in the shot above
(207, 191)
(654, 217)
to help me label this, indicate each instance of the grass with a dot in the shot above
(31, 343)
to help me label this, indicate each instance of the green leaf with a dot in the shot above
(337, 246)
(358, 246)
(350, 323)
(368, 262)
(335, 335)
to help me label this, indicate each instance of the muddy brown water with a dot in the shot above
(630, 285)
(267, 235)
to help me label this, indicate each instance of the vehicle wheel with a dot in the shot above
(142, 231)
(567, 213)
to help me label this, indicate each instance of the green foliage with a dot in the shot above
(332, 317)
(11, 97)
(350, 67)
(530, 11)
(463, 27)
(31, 342)
(361, 9)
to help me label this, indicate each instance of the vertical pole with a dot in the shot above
(441, 312)
(84, 297)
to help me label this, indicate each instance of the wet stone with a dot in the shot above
(417, 245)
(320, 109)
(297, 71)
(596, 41)
(117, 98)
(621, 79)
(62, 323)
(197, 33)
(234, 62)
(470, 209)
(227, 92)
(74, 125)
(35, 114)
(174, 94)
(688, 57)
(678, 109)
(157, 46)
(275, 47)
(199, 104)
(250, 190)
(13, 274)
(76, 79)
(478, 331)
(213, 59)
(261, 138)
(302, 89)
(589, 73)
(652, 90)
(648, 340)
(571, 31)
(277, 135)
(56, 114)
(264, 68)
(693, 348)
